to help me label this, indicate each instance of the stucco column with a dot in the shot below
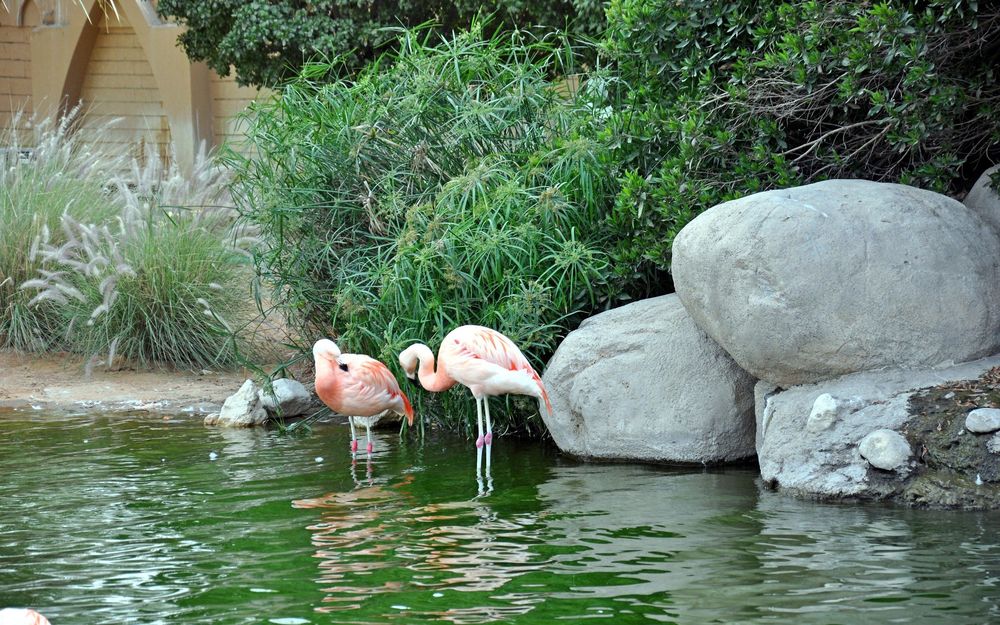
(61, 51)
(184, 86)
(59, 55)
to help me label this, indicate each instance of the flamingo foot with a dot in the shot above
(370, 447)
(479, 442)
(488, 439)
(354, 445)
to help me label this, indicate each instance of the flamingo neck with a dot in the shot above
(327, 381)
(434, 381)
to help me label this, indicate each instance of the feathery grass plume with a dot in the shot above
(163, 281)
(451, 183)
(46, 171)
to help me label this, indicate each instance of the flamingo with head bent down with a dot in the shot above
(485, 361)
(356, 385)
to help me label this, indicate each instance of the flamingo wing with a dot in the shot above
(484, 344)
(476, 354)
(374, 384)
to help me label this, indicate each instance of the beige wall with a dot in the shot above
(55, 54)
(119, 85)
(15, 63)
(228, 101)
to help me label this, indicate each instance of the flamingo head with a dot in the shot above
(327, 350)
(409, 358)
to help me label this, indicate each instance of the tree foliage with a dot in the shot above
(267, 41)
(718, 100)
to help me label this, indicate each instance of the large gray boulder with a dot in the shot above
(806, 284)
(984, 200)
(876, 435)
(642, 382)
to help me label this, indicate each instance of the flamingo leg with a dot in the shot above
(368, 436)
(479, 470)
(489, 427)
(479, 420)
(489, 474)
(484, 480)
(354, 436)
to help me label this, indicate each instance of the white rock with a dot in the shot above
(810, 283)
(243, 408)
(983, 420)
(292, 398)
(984, 200)
(823, 414)
(885, 449)
(642, 382)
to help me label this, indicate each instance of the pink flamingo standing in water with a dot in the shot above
(22, 616)
(485, 361)
(357, 386)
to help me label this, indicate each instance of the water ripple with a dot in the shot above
(136, 520)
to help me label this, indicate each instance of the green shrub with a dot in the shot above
(717, 100)
(162, 281)
(267, 41)
(38, 184)
(446, 185)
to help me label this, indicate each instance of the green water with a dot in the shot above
(133, 520)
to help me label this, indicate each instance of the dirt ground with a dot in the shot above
(58, 383)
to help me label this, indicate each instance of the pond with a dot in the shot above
(112, 519)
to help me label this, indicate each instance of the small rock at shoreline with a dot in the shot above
(290, 398)
(885, 449)
(983, 420)
(243, 408)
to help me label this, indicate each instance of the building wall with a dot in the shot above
(15, 65)
(120, 95)
(228, 101)
(55, 54)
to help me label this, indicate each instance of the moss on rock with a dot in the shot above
(950, 458)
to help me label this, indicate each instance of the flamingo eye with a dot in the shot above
(343, 367)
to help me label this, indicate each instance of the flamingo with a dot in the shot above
(485, 361)
(22, 616)
(357, 386)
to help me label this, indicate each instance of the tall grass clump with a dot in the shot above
(46, 171)
(448, 184)
(163, 282)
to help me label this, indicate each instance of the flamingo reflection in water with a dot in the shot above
(462, 546)
(350, 540)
